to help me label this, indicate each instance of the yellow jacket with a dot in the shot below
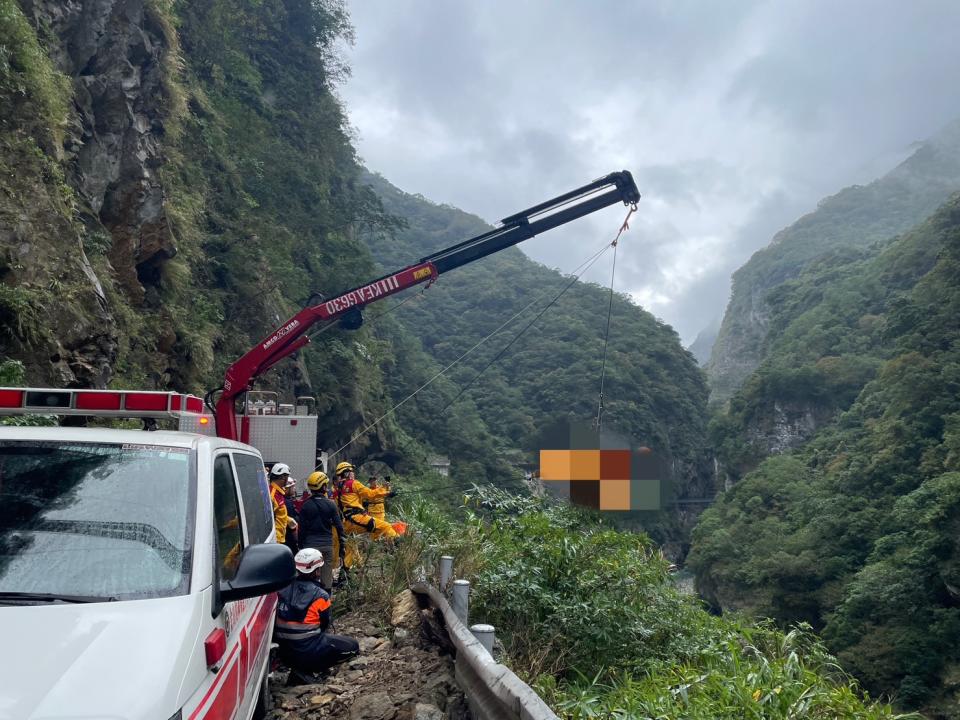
(352, 494)
(376, 508)
(280, 517)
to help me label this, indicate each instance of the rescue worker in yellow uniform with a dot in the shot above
(279, 474)
(376, 508)
(350, 495)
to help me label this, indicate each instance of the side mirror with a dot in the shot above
(262, 569)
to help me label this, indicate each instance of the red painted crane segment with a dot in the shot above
(291, 335)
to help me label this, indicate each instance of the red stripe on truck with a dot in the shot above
(223, 677)
(230, 684)
(260, 623)
(224, 705)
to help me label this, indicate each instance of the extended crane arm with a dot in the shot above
(291, 335)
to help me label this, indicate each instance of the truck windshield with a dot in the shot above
(95, 521)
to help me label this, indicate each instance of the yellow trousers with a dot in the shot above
(358, 524)
(377, 511)
(351, 552)
(354, 527)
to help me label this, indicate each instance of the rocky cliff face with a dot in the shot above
(91, 185)
(54, 311)
(785, 426)
(113, 52)
(855, 217)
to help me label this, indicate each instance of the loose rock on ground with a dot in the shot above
(399, 675)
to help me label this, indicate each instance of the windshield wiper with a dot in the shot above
(17, 598)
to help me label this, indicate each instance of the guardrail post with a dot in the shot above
(485, 634)
(446, 570)
(460, 602)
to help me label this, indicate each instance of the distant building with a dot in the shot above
(440, 464)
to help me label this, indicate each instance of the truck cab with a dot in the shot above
(138, 573)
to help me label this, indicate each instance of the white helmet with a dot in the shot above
(280, 469)
(308, 560)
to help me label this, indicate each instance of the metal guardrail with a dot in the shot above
(492, 690)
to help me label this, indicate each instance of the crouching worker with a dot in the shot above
(303, 616)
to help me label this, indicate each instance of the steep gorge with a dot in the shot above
(179, 177)
(176, 176)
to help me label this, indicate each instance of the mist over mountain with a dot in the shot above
(853, 218)
(702, 345)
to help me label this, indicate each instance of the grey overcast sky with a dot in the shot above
(735, 117)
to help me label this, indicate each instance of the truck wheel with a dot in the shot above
(263, 704)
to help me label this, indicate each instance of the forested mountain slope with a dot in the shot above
(856, 532)
(853, 218)
(654, 392)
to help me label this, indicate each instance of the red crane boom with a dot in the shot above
(291, 335)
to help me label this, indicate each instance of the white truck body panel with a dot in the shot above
(290, 439)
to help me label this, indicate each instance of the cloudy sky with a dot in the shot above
(735, 117)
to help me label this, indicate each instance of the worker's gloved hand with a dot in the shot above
(371, 525)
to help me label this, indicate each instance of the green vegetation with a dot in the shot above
(262, 184)
(267, 205)
(35, 99)
(593, 620)
(856, 532)
(262, 192)
(827, 339)
(34, 96)
(12, 374)
(655, 394)
(263, 195)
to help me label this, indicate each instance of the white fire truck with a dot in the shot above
(138, 569)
